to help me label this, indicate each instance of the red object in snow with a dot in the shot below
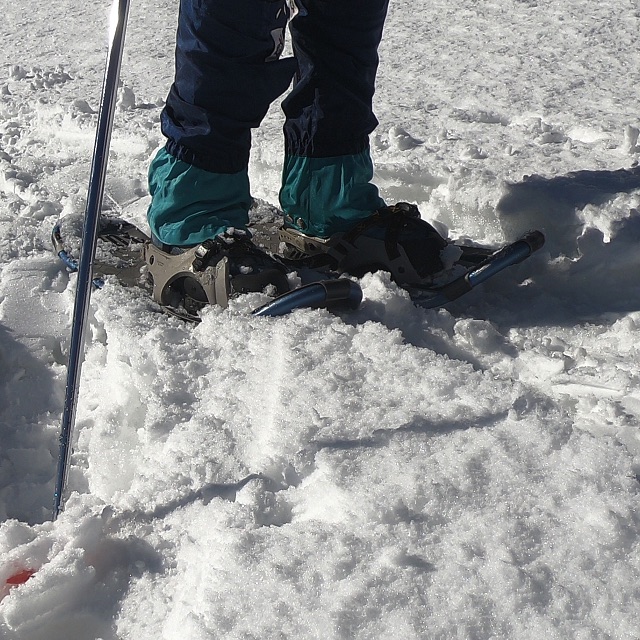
(20, 577)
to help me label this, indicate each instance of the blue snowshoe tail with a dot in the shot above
(122, 258)
(325, 294)
(66, 257)
(507, 256)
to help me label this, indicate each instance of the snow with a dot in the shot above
(393, 472)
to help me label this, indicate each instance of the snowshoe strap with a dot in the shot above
(415, 252)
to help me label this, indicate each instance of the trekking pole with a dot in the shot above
(117, 27)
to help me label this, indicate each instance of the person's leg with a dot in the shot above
(227, 73)
(332, 211)
(327, 170)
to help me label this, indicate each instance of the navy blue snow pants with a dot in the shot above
(229, 70)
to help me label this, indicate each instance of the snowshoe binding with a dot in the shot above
(393, 239)
(211, 273)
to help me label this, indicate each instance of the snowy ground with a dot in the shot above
(396, 472)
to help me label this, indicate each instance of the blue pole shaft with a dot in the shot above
(117, 28)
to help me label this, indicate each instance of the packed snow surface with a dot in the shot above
(394, 472)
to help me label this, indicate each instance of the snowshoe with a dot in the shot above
(183, 281)
(397, 240)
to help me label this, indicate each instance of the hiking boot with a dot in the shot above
(212, 272)
(393, 239)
